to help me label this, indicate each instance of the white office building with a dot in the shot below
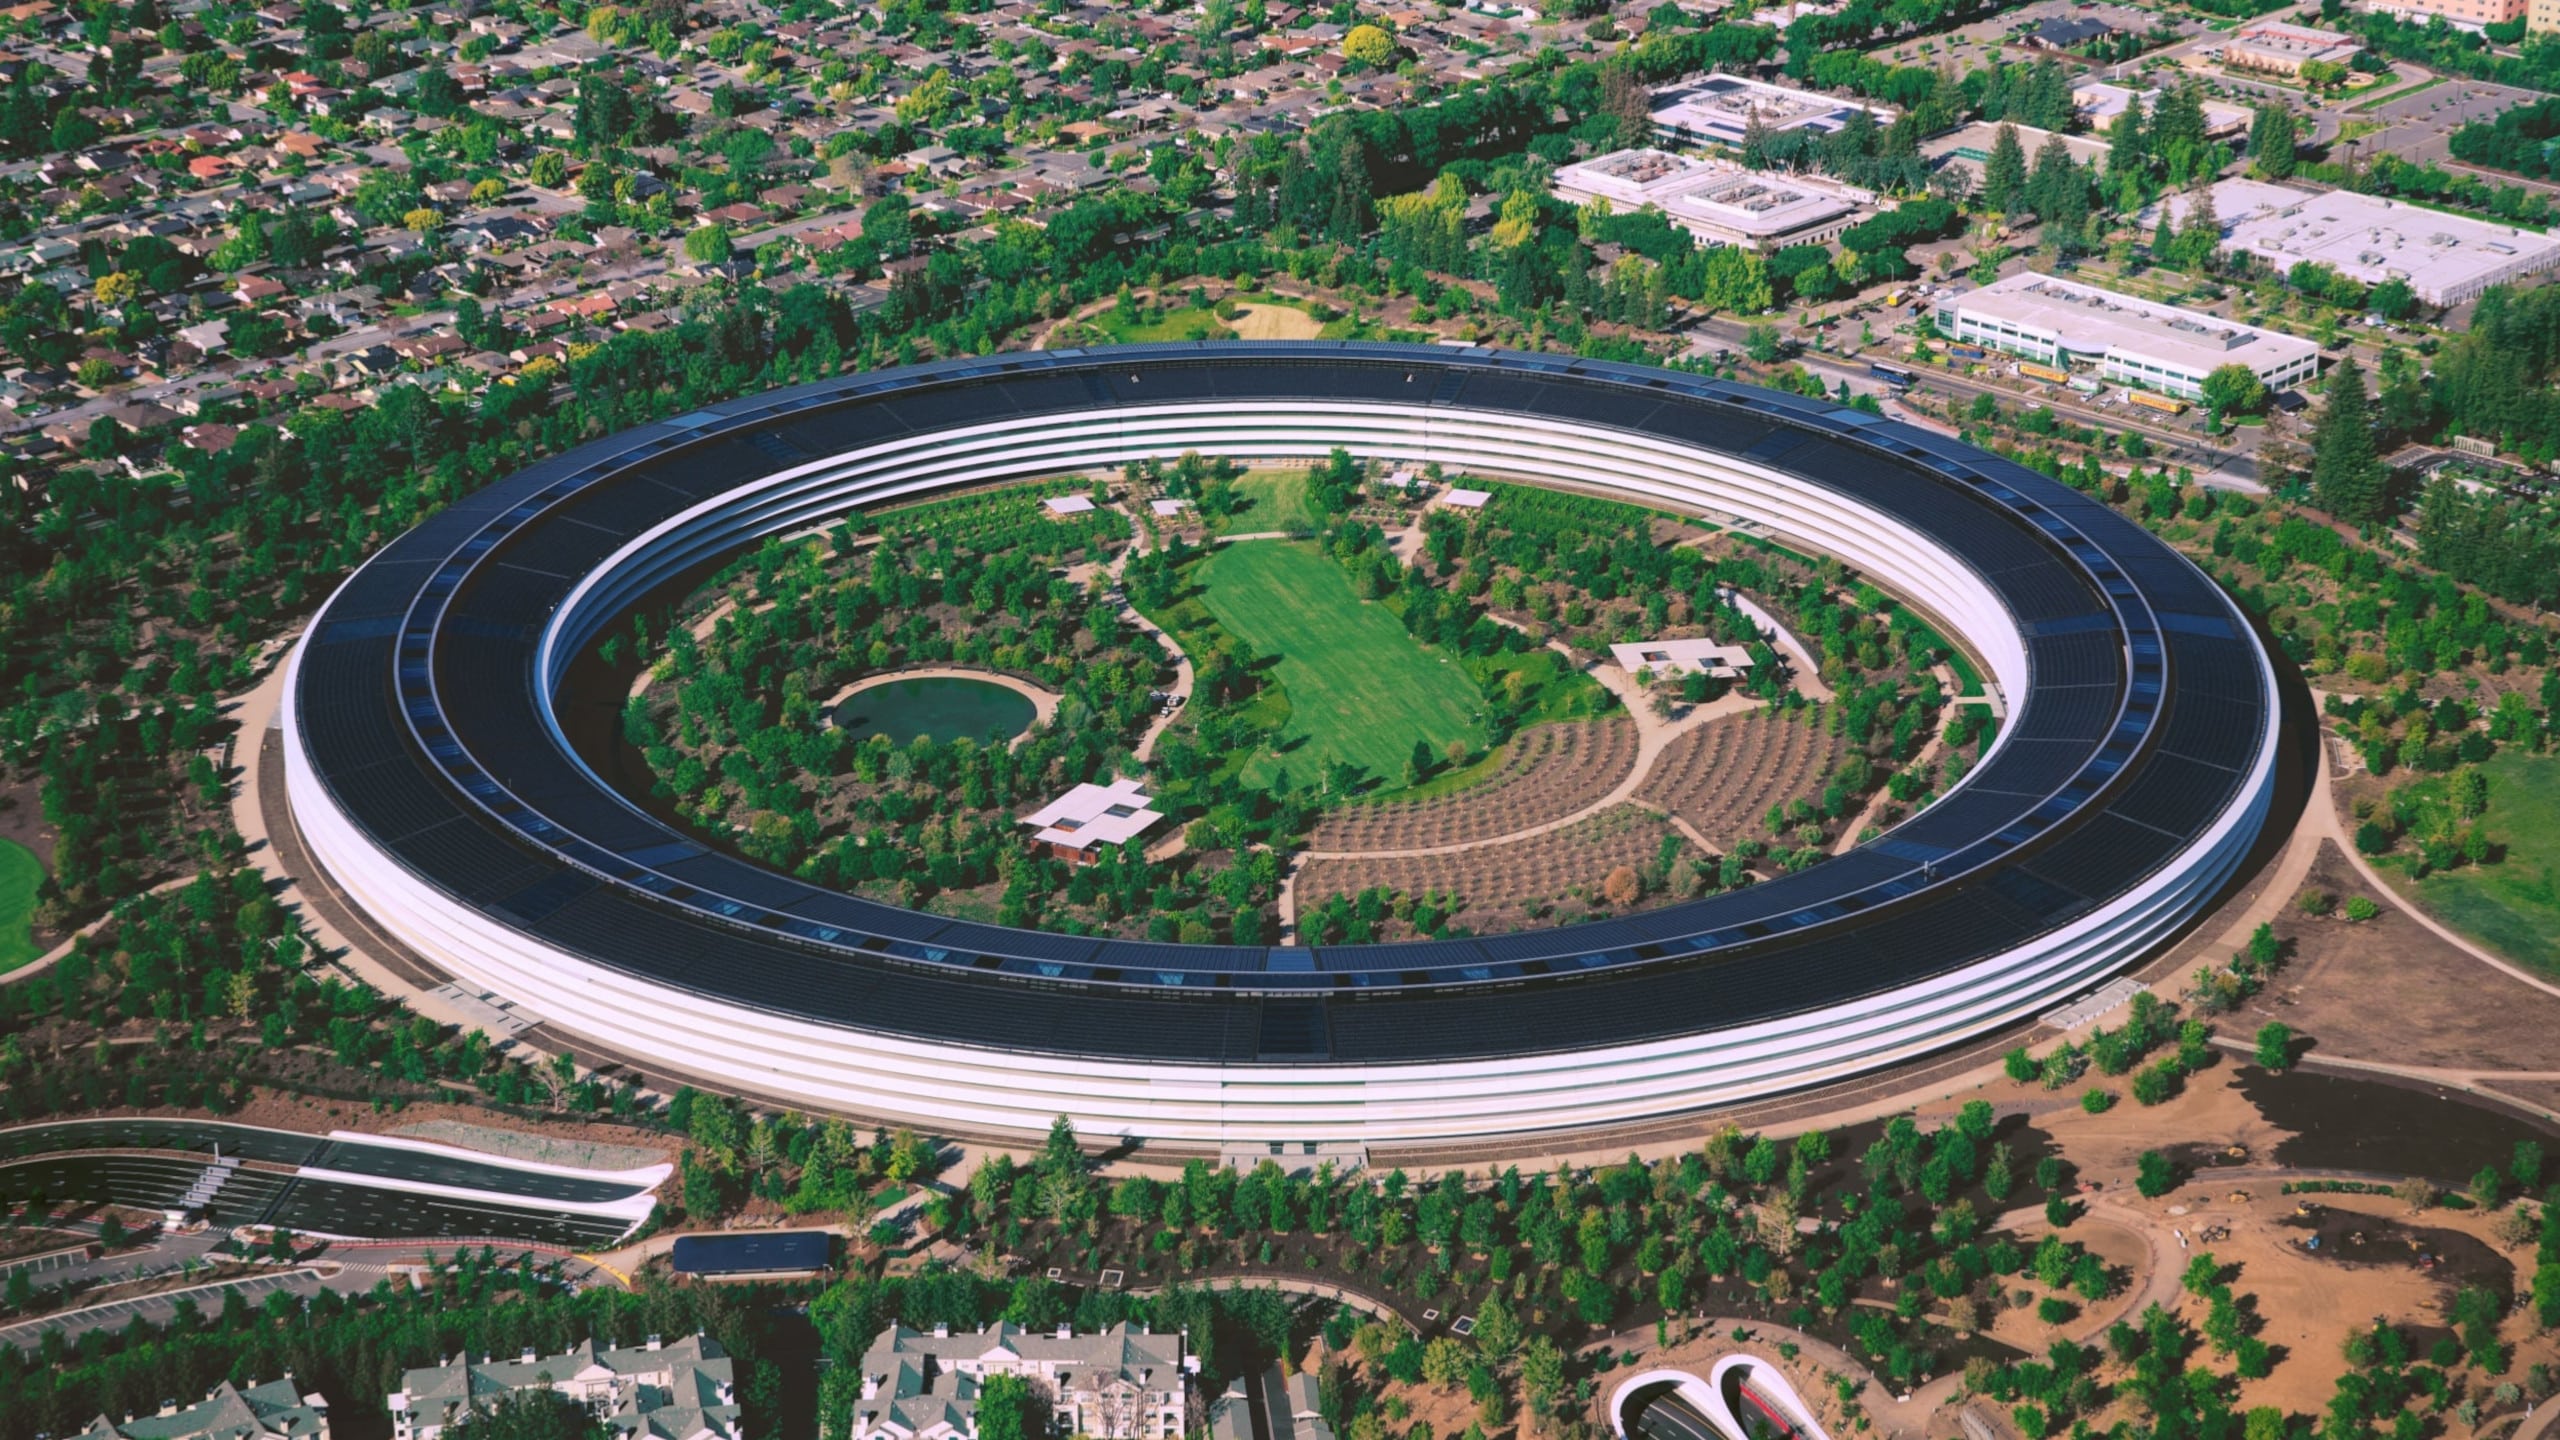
(1719, 202)
(2158, 347)
(1721, 109)
(2446, 259)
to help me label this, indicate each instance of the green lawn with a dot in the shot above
(20, 873)
(2513, 907)
(1184, 323)
(1274, 500)
(1360, 689)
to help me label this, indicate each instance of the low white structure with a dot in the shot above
(1168, 507)
(1719, 202)
(1468, 499)
(1069, 504)
(1679, 657)
(1721, 109)
(1123, 1383)
(1076, 825)
(2446, 259)
(2159, 347)
(684, 1391)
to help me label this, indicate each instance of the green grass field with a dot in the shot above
(2513, 907)
(1184, 323)
(20, 873)
(1360, 689)
(1274, 500)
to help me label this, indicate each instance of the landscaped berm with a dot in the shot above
(1360, 689)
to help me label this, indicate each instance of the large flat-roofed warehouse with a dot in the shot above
(1719, 202)
(2159, 347)
(1720, 109)
(2445, 258)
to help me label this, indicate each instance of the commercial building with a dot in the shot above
(276, 1410)
(748, 978)
(2158, 347)
(2276, 48)
(2460, 14)
(1075, 826)
(1717, 201)
(1721, 109)
(1123, 1383)
(2099, 103)
(2446, 259)
(1969, 148)
(684, 1391)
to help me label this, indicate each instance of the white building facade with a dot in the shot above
(2135, 342)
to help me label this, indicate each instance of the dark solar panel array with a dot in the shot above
(417, 705)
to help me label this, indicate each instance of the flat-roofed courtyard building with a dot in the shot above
(1719, 202)
(1722, 109)
(2446, 259)
(1969, 148)
(2278, 48)
(2159, 347)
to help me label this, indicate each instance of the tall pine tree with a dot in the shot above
(2347, 477)
(2004, 174)
(2271, 142)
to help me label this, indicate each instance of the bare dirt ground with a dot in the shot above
(1274, 322)
(2388, 989)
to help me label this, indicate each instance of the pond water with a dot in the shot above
(943, 707)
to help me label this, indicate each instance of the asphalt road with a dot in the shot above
(162, 1308)
(1668, 1417)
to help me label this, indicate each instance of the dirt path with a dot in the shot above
(1044, 703)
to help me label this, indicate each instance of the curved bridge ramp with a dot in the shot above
(1741, 1397)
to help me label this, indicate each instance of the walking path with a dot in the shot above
(1140, 539)
(2324, 819)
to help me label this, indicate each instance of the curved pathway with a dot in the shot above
(2324, 818)
(1044, 703)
